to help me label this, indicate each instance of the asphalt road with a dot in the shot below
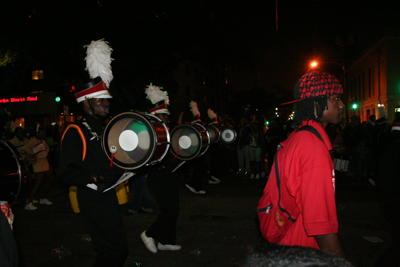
(216, 229)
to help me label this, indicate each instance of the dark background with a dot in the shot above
(243, 36)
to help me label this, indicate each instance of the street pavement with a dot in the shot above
(219, 228)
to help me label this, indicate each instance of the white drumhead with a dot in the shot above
(128, 140)
(184, 142)
(228, 135)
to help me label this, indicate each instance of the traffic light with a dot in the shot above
(57, 99)
(354, 104)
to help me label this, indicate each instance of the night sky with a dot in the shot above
(242, 35)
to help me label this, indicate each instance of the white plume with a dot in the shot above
(211, 114)
(194, 108)
(98, 60)
(154, 94)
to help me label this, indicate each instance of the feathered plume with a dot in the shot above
(154, 94)
(194, 109)
(211, 114)
(98, 60)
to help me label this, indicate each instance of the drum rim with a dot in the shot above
(156, 137)
(234, 132)
(218, 133)
(152, 142)
(17, 156)
(199, 148)
(208, 138)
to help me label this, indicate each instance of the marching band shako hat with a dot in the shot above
(316, 84)
(396, 126)
(195, 111)
(158, 98)
(213, 117)
(98, 64)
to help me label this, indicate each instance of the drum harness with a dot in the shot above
(94, 134)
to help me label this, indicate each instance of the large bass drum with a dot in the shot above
(189, 141)
(228, 135)
(132, 140)
(13, 173)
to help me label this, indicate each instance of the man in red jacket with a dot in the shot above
(307, 170)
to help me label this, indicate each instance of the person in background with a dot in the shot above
(197, 166)
(18, 142)
(38, 148)
(388, 184)
(272, 137)
(243, 142)
(255, 150)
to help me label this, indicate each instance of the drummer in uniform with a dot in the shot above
(198, 166)
(84, 164)
(165, 189)
(214, 157)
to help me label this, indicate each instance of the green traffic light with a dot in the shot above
(354, 106)
(58, 99)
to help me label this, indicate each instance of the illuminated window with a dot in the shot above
(37, 75)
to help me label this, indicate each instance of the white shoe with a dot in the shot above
(35, 201)
(168, 247)
(194, 190)
(257, 176)
(371, 182)
(252, 176)
(30, 206)
(45, 201)
(215, 179)
(149, 242)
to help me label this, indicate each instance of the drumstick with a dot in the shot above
(113, 149)
(177, 153)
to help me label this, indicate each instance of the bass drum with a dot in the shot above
(13, 173)
(214, 132)
(189, 141)
(228, 135)
(136, 140)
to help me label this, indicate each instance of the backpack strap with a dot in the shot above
(279, 189)
(308, 128)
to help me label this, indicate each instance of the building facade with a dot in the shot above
(373, 82)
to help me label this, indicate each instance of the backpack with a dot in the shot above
(277, 209)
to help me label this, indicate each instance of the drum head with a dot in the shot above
(186, 142)
(228, 135)
(132, 137)
(214, 133)
(13, 173)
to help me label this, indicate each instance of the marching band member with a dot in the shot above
(198, 167)
(163, 229)
(84, 164)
